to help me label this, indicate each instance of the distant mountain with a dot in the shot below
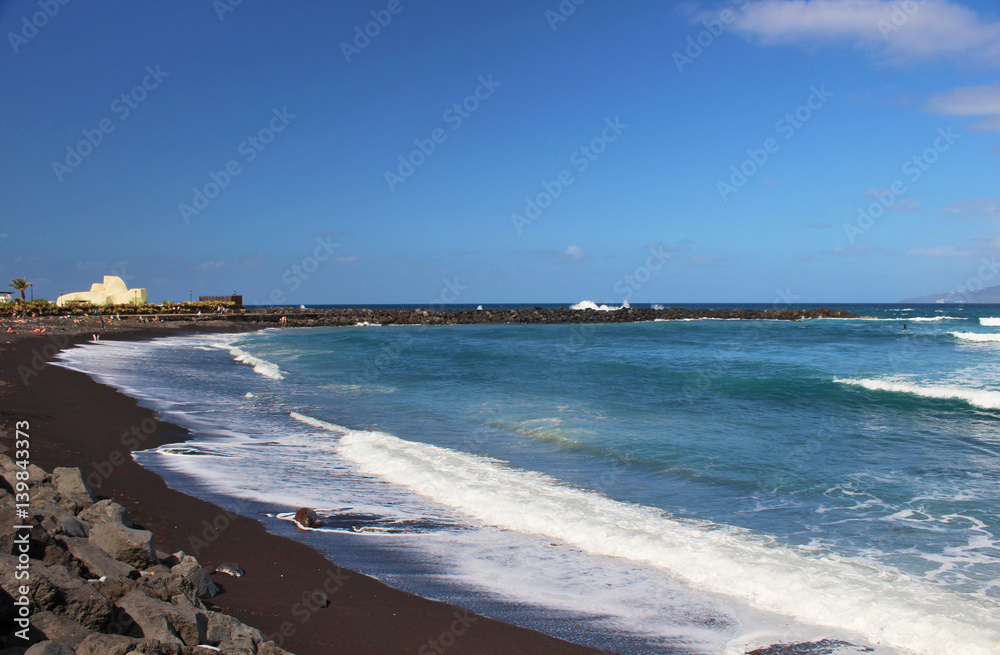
(989, 295)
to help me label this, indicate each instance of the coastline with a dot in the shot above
(78, 422)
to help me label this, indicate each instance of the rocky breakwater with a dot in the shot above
(79, 578)
(527, 315)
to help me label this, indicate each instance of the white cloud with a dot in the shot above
(574, 252)
(932, 29)
(970, 101)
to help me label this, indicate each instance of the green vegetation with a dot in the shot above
(43, 307)
(20, 284)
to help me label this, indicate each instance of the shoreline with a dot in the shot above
(78, 422)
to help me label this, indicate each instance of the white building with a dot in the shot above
(110, 292)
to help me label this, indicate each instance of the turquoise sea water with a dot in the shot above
(696, 486)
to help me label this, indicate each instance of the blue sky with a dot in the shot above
(502, 152)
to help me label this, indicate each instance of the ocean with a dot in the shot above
(697, 487)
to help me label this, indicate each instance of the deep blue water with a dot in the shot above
(690, 486)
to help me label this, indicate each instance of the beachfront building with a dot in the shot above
(4, 297)
(110, 292)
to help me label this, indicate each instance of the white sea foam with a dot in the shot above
(981, 398)
(991, 321)
(824, 590)
(589, 304)
(262, 366)
(977, 336)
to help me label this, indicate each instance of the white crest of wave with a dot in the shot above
(590, 304)
(991, 321)
(848, 594)
(262, 366)
(976, 336)
(316, 423)
(981, 398)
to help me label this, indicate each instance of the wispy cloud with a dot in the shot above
(985, 208)
(570, 253)
(939, 251)
(979, 101)
(883, 28)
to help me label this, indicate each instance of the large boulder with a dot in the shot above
(57, 521)
(97, 562)
(134, 547)
(153, 647)
(42, 594)
(69, 482)
(106, 511)
(100, 644)
(189, 569)
(232, 636)
(59, 628)
(56, 589)
(49, 648)
(165, 622)
(74, 597)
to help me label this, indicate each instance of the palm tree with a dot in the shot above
(20, 284)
